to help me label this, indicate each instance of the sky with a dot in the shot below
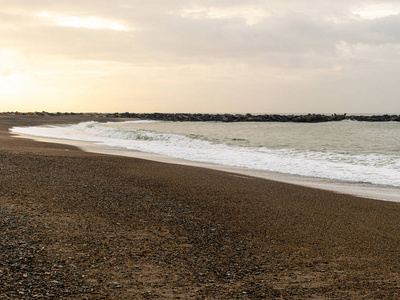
(200, 56)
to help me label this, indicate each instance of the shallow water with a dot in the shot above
(347, 151)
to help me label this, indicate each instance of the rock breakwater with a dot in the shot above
(309, 118)
(189, 117)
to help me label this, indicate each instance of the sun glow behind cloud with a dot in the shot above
(12, 75)
(7, 62)
(86, 22)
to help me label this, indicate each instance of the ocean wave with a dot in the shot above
(368, 168)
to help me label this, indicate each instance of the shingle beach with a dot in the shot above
(79, 225)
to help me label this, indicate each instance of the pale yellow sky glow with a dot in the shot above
(87, 22)
(200, 56)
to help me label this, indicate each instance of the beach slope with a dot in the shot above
(81, 225)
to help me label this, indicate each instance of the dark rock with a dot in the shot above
(187, 117)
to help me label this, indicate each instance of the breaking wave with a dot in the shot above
(374, 168)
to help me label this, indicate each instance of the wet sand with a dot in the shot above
(82, 225)
(365, 190)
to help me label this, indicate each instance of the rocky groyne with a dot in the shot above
(188, 117)
(309, 118)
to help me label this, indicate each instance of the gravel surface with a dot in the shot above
(77, 225)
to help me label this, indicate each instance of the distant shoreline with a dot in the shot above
(202, 117)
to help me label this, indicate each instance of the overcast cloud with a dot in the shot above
(200, 56)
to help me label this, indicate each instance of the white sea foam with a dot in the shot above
(362, 166)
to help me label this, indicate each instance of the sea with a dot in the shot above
(345, 151)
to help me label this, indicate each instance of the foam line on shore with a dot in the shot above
(357, 189)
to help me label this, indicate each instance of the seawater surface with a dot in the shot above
(350, 151)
